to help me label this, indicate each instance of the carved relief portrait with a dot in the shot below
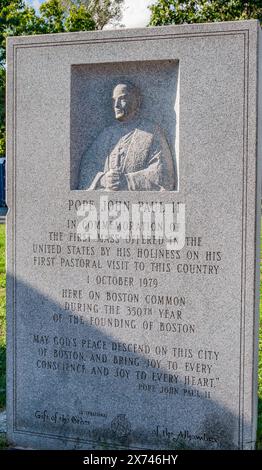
(132, 154)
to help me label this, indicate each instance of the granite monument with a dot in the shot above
(120, 341)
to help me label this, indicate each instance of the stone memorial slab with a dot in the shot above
(133, 238)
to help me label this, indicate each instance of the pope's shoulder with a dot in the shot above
(143, 125)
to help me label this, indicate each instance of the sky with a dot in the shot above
(135, 12)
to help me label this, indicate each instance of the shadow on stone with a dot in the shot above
(76, 387)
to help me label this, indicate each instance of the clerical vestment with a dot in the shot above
(138, 149)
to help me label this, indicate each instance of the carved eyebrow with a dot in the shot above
(119, 96)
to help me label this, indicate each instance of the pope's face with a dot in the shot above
(122, 102)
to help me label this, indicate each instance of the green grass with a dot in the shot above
(259, 427)
(2, 316)
(3, 336)
(3, 442)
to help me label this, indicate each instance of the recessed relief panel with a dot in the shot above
(124, 122)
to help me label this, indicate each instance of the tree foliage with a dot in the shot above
(165, 12)
(55, 16)
(105, 11)
(58, 16)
